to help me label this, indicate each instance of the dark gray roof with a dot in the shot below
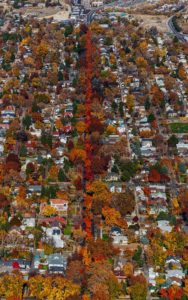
(57, 259)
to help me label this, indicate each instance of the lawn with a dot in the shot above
(68, 229)
(179, 127)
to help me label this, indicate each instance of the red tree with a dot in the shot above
(154, 176)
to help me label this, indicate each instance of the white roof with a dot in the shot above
(175, 273)
(164, 226)
(182, 145)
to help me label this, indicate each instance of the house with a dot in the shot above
(164, 226)
(35, 189)
(174, 270)
(36, 259)
(112, 177)
(21, 264)
(1, 149)
(175, 281)
(54, 234)
(36, 132)
(157, 187)
(120, 240)
(181, 146)
(63, 138)
(29, 222)
(115, 187)
(172, 259)
(171, 113)
(30, 145)
(159, 195)
(121, 129)
(148, 151)
(60, 151)
(152, 276)
(56, 134)
(8, 112)
(118, 237)
(144, 121)
(159, 80)
(113, 138)
(120, 275)
(177, 273)
(60, 205)
(115, 231)
(57, 263)
(4, 127)
(147, 143)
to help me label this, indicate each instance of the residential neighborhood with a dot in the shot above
(93, 156)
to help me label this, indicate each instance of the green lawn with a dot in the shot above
(179, 127)
(68, 229)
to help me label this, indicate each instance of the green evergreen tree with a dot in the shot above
(23, 151)
(27, 121)
(61, 176)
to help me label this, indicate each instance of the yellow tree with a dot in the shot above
(128, 269)
(25, 41)
(29, 61)
(81, 107)
(130, 101)
(15, 71)
(143, 46)
(58, 124)
(52, 288)
(81, 127)
(159, 254)
(10, 140)
(63, 195)
(141, 62)
(36, 82)
(49, 211)
(42, 49)
(111, 129)
(11, 285)
(86, 256)
(3, 235)
(182, 73)
(100, 191)
(21, 197)
(112, 216)
(138, 291)
(161, 52)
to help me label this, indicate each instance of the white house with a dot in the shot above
(120, 239)
(164, 226)
(29, 222)
(175, 273)
(55, 234)
(152, 276)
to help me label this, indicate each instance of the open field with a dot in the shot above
(160, 22)
(58, 13)
(58, 16)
